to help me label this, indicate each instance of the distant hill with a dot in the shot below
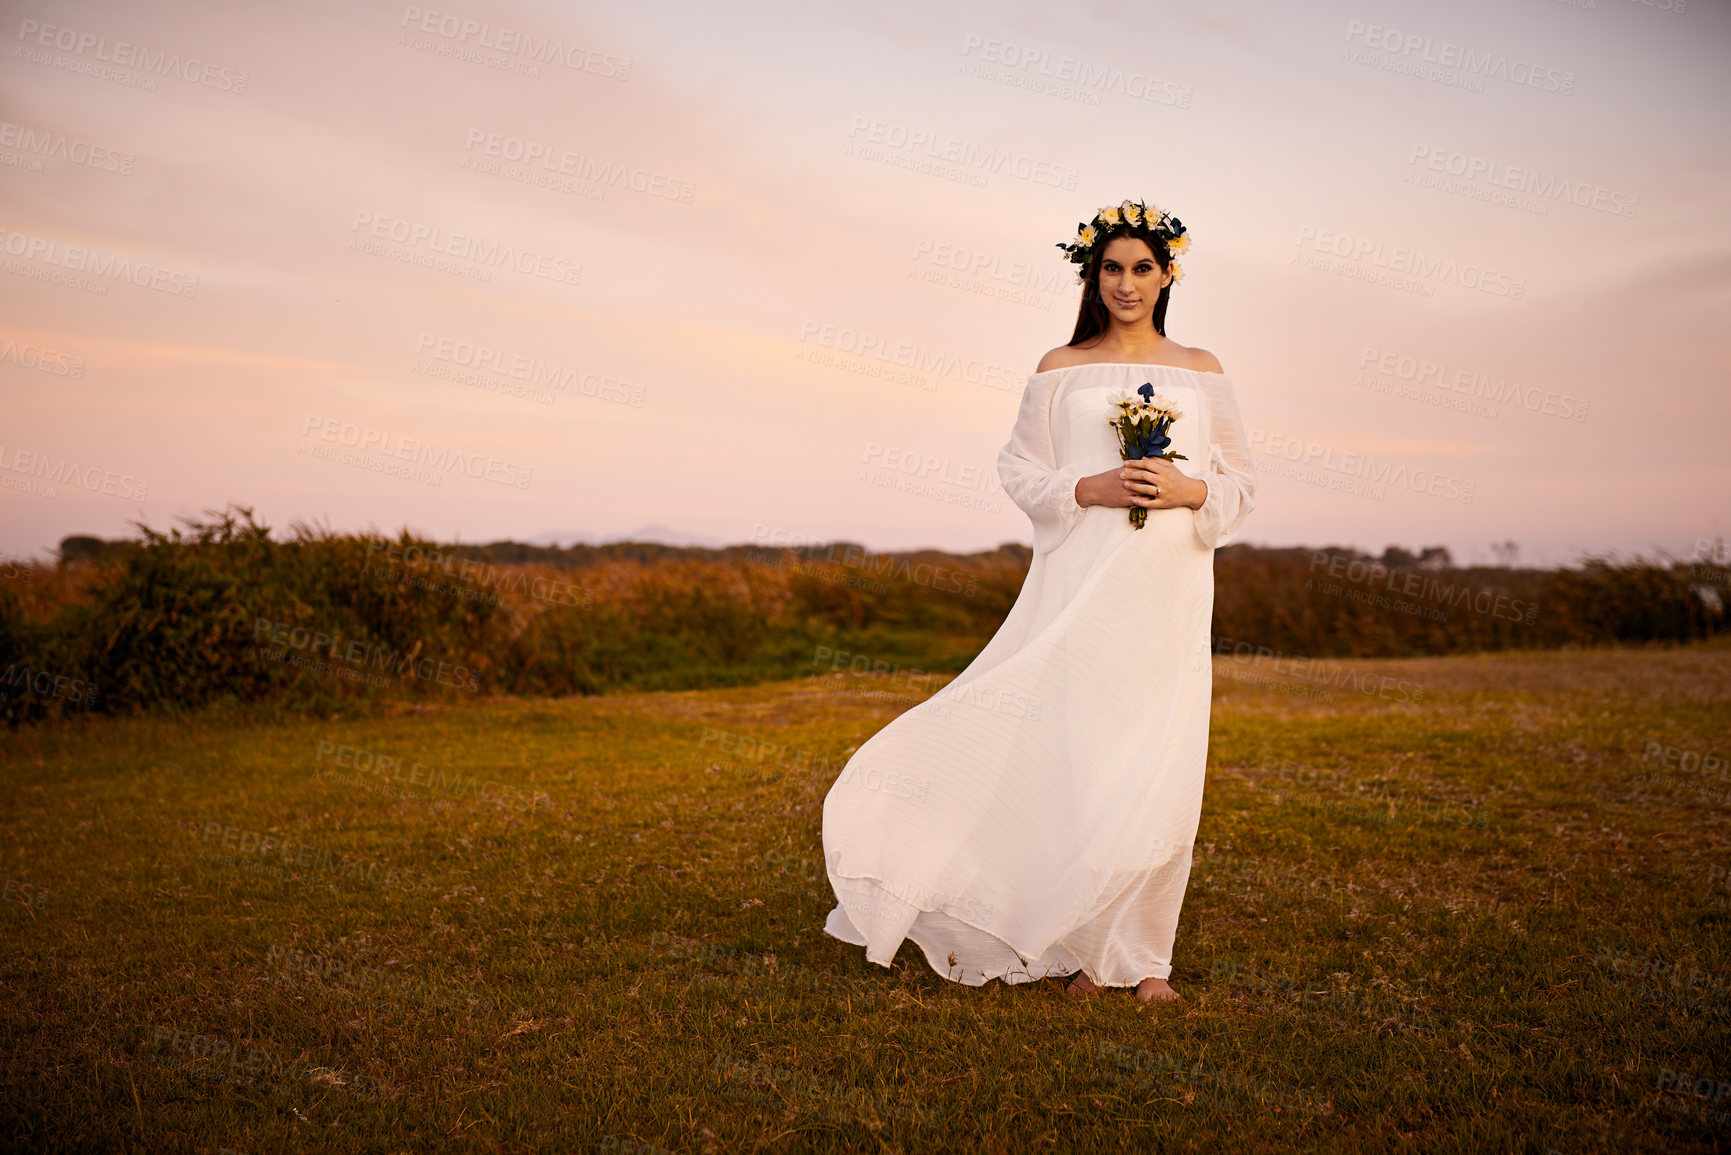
(657, 534)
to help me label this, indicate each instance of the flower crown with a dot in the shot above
(1167, 229)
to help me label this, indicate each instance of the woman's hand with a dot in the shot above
(1136, 483)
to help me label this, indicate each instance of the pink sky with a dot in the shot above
(760, 272)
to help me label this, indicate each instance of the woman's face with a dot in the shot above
(1131, 279)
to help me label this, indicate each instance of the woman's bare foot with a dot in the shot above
(1148, 990)
(1082, 985)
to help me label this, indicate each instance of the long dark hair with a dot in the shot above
(1092, 318)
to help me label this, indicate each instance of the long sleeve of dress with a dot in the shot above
(1028, 467)
(1230, 474)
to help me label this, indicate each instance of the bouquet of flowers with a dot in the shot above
(1141, 428)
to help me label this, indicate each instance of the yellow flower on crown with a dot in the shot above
(1087, 236)
(1132, 213)
(1109, 215)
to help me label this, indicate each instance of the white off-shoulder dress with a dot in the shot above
(1036, 816)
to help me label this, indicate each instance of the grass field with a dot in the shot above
(1488, 915)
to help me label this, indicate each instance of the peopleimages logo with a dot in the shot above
(46, 684)
(316, 860)
(1448, 54)
(864, 130)
(122, 54)
(917, 358)
(345, 761)
(1087, 78)
(365, 439)
(414, 235)
(58, 146)
(85, 259)
(364, 655)
(1502, 391)
(1321, 671)
(1453, 593)
(989, 267)
(1400, 259)
(65, 472)
(579, 166)
(922, 466)
(515, 42)
(1498, 175)
(32, 356)
(1377, 471)
(533, 371)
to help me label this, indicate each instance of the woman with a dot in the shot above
(1035, 817)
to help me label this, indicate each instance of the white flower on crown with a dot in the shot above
(1109, 215)
(1132, 213)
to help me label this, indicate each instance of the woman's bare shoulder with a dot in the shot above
(1200, 360)
(1062, 357)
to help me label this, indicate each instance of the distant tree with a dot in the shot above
(81, 549)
